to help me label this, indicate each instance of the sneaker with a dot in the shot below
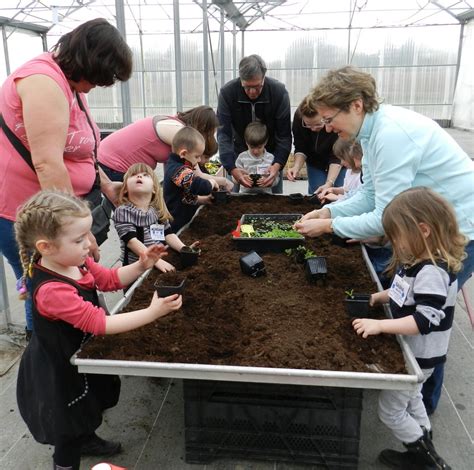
(97, 446)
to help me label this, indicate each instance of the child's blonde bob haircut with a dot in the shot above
(157, 200)
(401, 221)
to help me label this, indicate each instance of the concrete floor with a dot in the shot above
(149, 419)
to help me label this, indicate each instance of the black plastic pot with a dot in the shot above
(220, 196)
(315, 201)
(296, 198)
(252, 265)
(358, 305)
(335, 240)
(316, 269)
(189, 256)
(166, 291)
(255, 177)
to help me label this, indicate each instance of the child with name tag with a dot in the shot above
(142, 219)
(428, 250)
(256, 161)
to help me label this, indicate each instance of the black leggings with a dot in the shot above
(68, 454)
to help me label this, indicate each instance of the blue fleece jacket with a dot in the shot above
(403, 149)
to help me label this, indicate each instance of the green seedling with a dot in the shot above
(350, 293)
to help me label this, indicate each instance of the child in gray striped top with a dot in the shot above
(428, 250)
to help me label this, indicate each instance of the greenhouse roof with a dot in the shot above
(152, 16)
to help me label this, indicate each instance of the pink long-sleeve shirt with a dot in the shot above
(61, 301)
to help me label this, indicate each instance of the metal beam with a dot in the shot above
(124, 86)
(177, 57)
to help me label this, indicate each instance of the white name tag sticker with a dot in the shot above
(157, 232)
(262, 169)
(399, 290)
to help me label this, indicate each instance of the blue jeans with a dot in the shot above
(9, 249)
(433, 386)
(114, 175)
(380, 257)
(317, 178)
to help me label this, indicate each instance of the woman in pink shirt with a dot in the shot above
(44, 109)
(149, 140)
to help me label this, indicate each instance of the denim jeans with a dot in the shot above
(433, 386)
(9, 249)
(317, 177)
(114, 175)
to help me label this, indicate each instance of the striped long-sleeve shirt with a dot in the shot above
(431, 299)
(131, 222)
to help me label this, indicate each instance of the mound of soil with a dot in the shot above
(277, 320)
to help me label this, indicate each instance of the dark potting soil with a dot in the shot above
(277, 320)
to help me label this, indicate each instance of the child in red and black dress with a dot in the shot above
(183, 189)
(60, 406)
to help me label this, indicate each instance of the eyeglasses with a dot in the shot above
(318, 125)
(327, 121)
(253, 87)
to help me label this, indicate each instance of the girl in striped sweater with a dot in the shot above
(428, 250)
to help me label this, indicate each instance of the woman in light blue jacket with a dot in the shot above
(402, 149)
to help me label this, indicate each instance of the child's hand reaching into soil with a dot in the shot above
(367, 327)
(161, 306)
(164, 266)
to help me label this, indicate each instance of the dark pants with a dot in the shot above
(114, 175)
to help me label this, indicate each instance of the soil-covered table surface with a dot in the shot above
(277, 320)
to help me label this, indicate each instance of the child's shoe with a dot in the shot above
(95, 445)
(420, 455)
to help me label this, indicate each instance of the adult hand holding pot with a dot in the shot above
(242, 177)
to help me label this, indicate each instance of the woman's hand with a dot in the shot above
(195, 244)
(164, 266)
(111, 190)
(94, 250)
(366, 327)
(322, 188)
(313, 227)
(292, 173)
(316, 214)
(151, 256)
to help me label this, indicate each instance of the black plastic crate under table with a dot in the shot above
(289, 423)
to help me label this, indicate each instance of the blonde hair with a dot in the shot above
(401, 219)
(339, 88)
(306, 109)
(346, 150)
(157, 200)
(42, 216)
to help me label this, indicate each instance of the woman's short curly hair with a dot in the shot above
(94, 51)
(339, 88)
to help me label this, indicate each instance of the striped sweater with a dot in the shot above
(431, 299)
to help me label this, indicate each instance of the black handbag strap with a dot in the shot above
(17, 143)
(26, 154)
(96, 164)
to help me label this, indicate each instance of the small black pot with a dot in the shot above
(166, 291)
(358, 305)
(296, 198)
(315, 201)
(316, 269)
(255, 177)
(220, 197)
(189, 256)
(335, 240)
(252, 265)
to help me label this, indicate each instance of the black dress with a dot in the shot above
(57, 402)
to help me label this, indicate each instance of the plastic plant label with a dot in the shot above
(247, 229)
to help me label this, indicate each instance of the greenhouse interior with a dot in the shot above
(339, 121)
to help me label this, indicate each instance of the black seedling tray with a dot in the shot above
(358, 306)
(263, 245)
